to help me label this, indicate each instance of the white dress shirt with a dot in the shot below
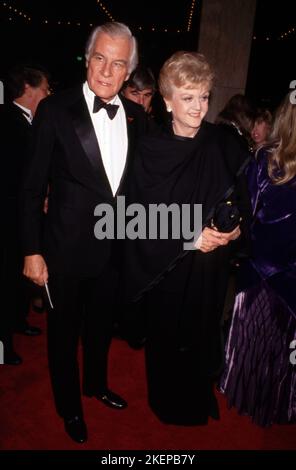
(111, 135)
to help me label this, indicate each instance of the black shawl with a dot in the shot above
(170, 169)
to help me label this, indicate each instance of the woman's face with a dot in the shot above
(189, 105)
(260, 132)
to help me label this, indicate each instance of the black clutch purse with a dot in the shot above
(226, 216)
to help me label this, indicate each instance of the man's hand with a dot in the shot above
(35, 269)
(210, 239)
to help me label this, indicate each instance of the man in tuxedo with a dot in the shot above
(26, 86)
(82, 147)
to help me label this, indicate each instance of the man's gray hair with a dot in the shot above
(114, 29)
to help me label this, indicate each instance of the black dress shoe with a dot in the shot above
(136, 343)
(29, 330)
(11, 358)
(111, 399)
(75, 427)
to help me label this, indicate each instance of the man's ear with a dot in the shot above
(28, 90)
(127, 77)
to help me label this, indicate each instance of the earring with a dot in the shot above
(169, 110)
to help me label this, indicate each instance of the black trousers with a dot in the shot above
(15, 298)
(83, 308)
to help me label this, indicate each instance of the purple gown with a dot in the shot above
(259, 378)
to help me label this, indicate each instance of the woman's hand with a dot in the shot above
(210, 239)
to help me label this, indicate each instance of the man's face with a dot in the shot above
(142, 97)
(107, 67)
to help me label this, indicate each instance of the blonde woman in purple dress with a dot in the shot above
(260, 375)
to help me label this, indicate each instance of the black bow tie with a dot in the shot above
(110, 108)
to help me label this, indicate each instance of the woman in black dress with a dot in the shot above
(186, 162)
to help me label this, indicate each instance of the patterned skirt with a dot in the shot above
(259, 378)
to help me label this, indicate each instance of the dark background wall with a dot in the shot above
(60, 47)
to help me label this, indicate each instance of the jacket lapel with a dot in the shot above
(86, 134)
(130, 125)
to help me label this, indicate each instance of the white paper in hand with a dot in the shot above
(48, 294)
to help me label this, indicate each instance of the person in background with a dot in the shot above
(140, 87)
(262, 128)
(237, 120)
(260, 376)
(183, 162)
(25, 86)
(238, 117)
(83, 146)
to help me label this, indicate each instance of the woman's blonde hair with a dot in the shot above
(282, 159)
(182, 68)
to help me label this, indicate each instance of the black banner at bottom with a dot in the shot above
(136, 459)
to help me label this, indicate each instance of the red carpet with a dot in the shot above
(28, 419)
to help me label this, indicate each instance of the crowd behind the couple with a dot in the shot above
(220, 319)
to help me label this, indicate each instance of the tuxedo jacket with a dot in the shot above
(65, 155)
(15, 133)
